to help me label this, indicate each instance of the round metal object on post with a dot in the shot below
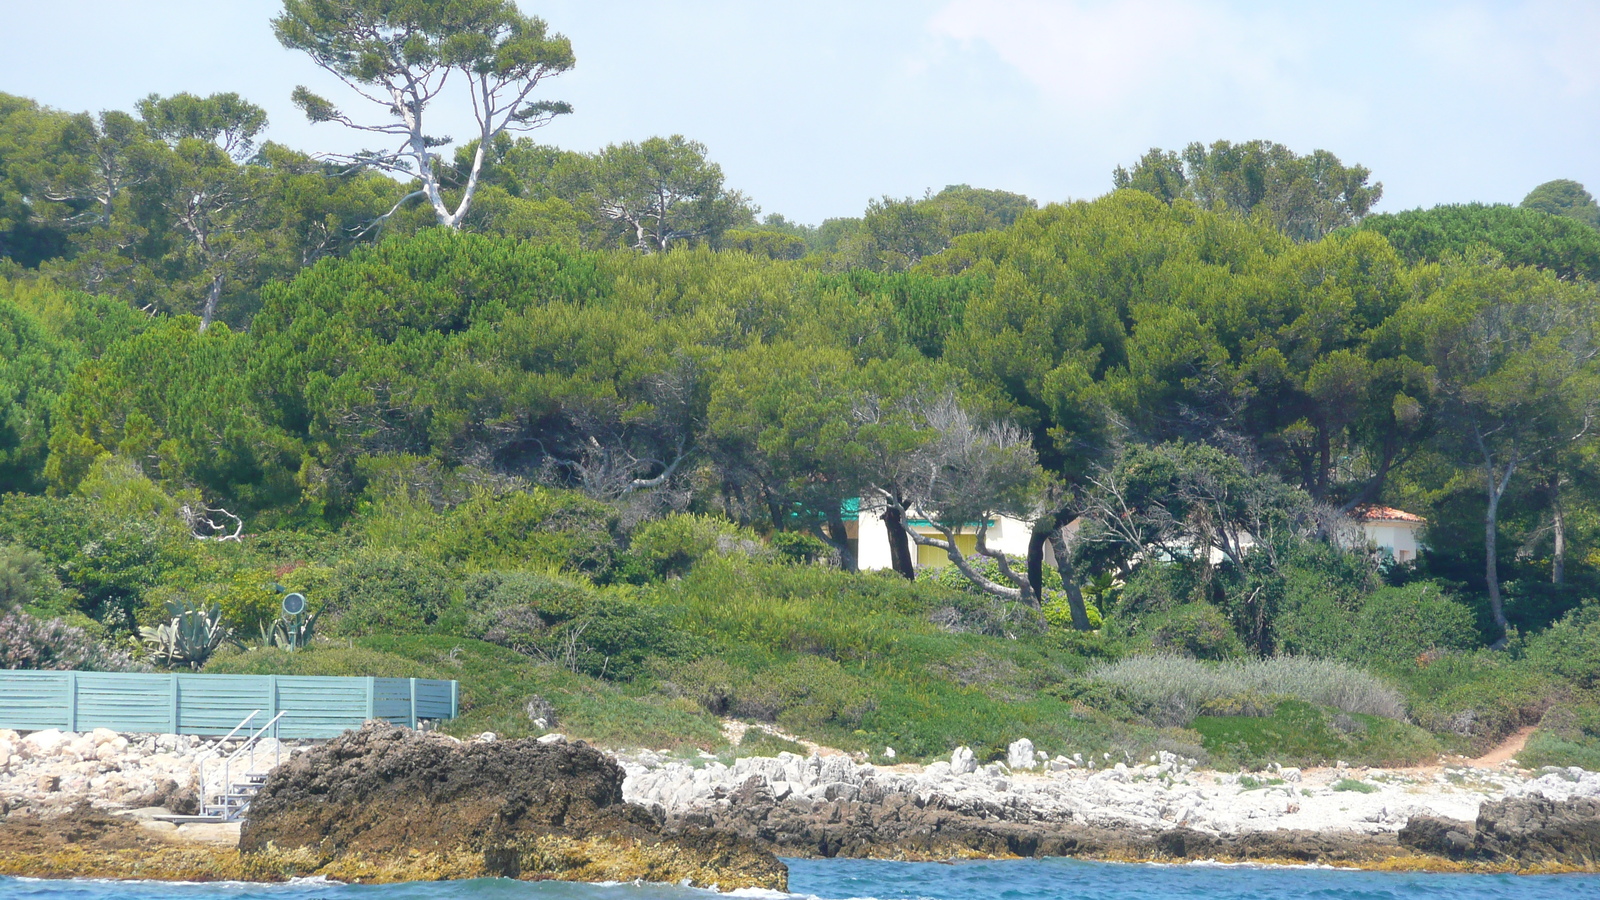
(294, 604)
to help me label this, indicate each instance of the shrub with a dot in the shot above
(1390, 627)
(1570, 649)
(1059, 614)
(760, 742)
(799, 547)
(1156, 586)
(108, 560)
(25, 579)
(29, 643)
(248, 602)
(1298, 733)
(804, 694)
(670, 547)
(1568, 735)
(603, 634)
(539, 528)
(392, 591)
(1171, 690)
(1197, 630)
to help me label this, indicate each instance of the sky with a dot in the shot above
(814, 108)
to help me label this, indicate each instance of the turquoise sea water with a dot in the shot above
(843, 879)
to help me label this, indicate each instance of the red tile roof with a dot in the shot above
(1368, 512)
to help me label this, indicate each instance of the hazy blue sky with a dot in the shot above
(813, 108)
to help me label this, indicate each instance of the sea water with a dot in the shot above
(1050, 879)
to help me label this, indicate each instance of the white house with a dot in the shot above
(1390, 529)
(872, 540)
(1383, 527)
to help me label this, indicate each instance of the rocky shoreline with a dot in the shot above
(1163, 809)
(389, 804)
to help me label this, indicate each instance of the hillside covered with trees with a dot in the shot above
(588, 427)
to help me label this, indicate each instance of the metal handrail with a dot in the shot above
(218, 752)
(277, 754)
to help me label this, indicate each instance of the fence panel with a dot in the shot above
(434, 699)
(34, 701)
(126, 702)
(321, 706)
(313, 707)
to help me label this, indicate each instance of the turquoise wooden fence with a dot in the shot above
(312, 707)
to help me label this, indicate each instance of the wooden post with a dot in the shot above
(413, 704)
(72, 701)
(455, 698)
(272, 703)
(172, 711)
(371, 710)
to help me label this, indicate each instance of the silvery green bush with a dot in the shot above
(1172, 689)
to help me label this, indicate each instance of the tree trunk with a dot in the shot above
(1558, 556)
(841, 541)
(899, 544)
(208, 312)
(1069, 580)
(1491, 562)
(1036, 541)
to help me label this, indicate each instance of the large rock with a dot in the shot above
(515, 808)
(1525, 830)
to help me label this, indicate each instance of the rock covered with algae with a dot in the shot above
(389, 804)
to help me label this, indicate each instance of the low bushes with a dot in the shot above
(1298, 733)
(1568, 735)
(1172, 690)
(387, 591)
(1390, 627)
(29, 643)
(568, 623)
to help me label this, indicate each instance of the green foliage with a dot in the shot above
(33, 371)
(1521, 237)
(1564, 197)
(1173, 689)
(670, 547)
(25, 579)
(1302, 734)
(1305, 197)
(1194, 630)
(1388, 628)
(248, 602)
(188, 638)
(106, 559)
(565, 623)
(387, 592)
(30, 643)
(759, 742)
(1351, 784)
(1568, 735)
(1570, 649)
(799, 547)
(1059, 614)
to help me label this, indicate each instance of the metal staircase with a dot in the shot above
(233, 797)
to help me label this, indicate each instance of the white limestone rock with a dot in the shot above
(962, 762)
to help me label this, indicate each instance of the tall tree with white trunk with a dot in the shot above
(400, 55)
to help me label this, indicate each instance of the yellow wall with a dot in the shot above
(933, 557)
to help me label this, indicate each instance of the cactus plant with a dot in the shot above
(189, 637)
(290, 632)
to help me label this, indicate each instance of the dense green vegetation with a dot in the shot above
(582, 429)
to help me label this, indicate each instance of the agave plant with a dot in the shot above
(189, 637)
(290, 632)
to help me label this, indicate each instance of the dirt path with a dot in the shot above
(1508, 750)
